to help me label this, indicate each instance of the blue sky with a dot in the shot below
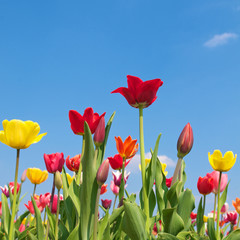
(62, 55)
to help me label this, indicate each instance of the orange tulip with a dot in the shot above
(128, 148)
(237, 205)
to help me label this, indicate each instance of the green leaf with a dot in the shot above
(211, 229)
(200, 223)
(166, 236)
(174, 192)
(235, 235)
(103, 224)
(51, 219)
(69, 209)
(223, 197)
(185, 206)
(74, 235)
(74, 193)
(40, 229)
(20, 219)
(65, 184)
(23, 235)
(152, 203)
(173, 223)
(115, 214)
(134, 221)
(151, 170)
(5, 214)
(64, 232)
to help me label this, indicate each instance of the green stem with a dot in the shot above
(115, 200)
(56, 224)
(142, 155)
(78, 178)
(12, 230)
(96, 214)
(176, 171)
(34, 189)
(122, 185)
(204, 203)
(215, 204)
(218, 209)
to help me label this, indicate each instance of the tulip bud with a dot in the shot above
(185, 141)
(24, 175)
(58, 180)
(102, 173)
(106, 203)
(224, 208)
(99, 133)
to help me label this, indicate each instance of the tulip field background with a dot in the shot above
(62, 55)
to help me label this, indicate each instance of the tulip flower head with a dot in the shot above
(215, 176)
(116, 162)
(140, 94)
(185, 141)
(169, 182)
(20, 134)
(205, 185)
(231, 217)
(54, 162)
(222, 163)
(102, 173)
(225, 208)
(5, 190)
(58, 180)
(236, 205)
(11, 187)
(24, 176)
(73, 163)
(77, 120)
(99, 135)
(128, 148)
(106, 203)
(103, 189)
(114, 188)
(117, 177)
(36, 175)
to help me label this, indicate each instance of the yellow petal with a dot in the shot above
(44, 176)
(39, 137)
(217, 154)
(3, 137)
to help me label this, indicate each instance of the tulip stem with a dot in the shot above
(215, 204)
(122, 185)
(115, 200)
(34, 189)
(219, 207)
(96, 214)
(176, 171)
(78, 178)
(12, 230)
(142, 155)
(56, 224)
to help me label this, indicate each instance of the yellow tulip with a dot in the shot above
(205, 218)
(222, 164)
(37, 176)
(20, 134)
(164, 165)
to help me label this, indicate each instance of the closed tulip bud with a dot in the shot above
(102, 173)
(106, 203)
(99, 133)
(58, 180)
(24, 176)
(185, 141)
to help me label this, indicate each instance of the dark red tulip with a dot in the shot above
(106, 203)
(139, 93)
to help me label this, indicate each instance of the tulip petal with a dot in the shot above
(127, 94)
(38, 138)
(133, 84)
(119, 145)
(77, 122)
(3, 137)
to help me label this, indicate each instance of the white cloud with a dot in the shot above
(134, 164)
(220, 39)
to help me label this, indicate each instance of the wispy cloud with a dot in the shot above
(134, 164)
(220, 39)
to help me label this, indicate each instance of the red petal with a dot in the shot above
(133, 84)
(127, 94)
(77, 122)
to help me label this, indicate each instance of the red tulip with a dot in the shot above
(11, 186)
(73, 163)
(54, 162)
(54, 204)
(169, 182)
(139, 93)
(193, 215)
(215, 176)
(231, 217)
(116, 162)
(106, 203)
(205, 185)
(77, 120)
(0, 209)
(39, 204)
(185, 141)
(99, 135)
(103, 189)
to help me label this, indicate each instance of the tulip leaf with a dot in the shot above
(173, 193)
(200, 213)
(211, 229)
(69, 209)
(223, 197)
(89, 185)
(152, 203)
(74, 235)
(103, 224)
(235, 235)
(173, 223)
(51, 219)
(166, 236)
(5, 219)
(186, 204)
(20, 219)
(74, 193)
(64, 232)
(134, 221)
(116, 212)
(151, 170)
(65, 183)
(23, 235)
(40, 229)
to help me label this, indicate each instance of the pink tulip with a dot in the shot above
(117, 177)
(215, 176)
(54, 162)
(21, 227)
(106, 203)
(231, 217)
(114, 188)
(102, 173)
(224, 208)
(5, 190)
(54, 204)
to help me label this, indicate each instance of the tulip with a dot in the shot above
(193, 215)
(54, 204)
(128, 148)
(116, 162)
(20, 134)
(205, 185)
(77, 120)
(73, 163)
(103, 189)
(5, 190)
(44, 199)
(99, 135)
(215, 176)
(58, 180)
(24, 176)
(231, 217)
(11, 186)
(225, 208)
(185, 141)
(102, 173)
(69, 178)
(39, 204)
(169, 182)
(0, 209)
(36, 176)
(205, 218)
(117, 176)
(236, 205)
(106, 203)
(114, 188)
(140, 94)
(155, 230)
(222, 163)
(54, 162)
(21, 227)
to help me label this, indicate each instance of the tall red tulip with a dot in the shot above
(77, 120)
(54, 162)
(139, 93)
(73, 163)
(185, 141)
(116, 162)
(205, 185)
